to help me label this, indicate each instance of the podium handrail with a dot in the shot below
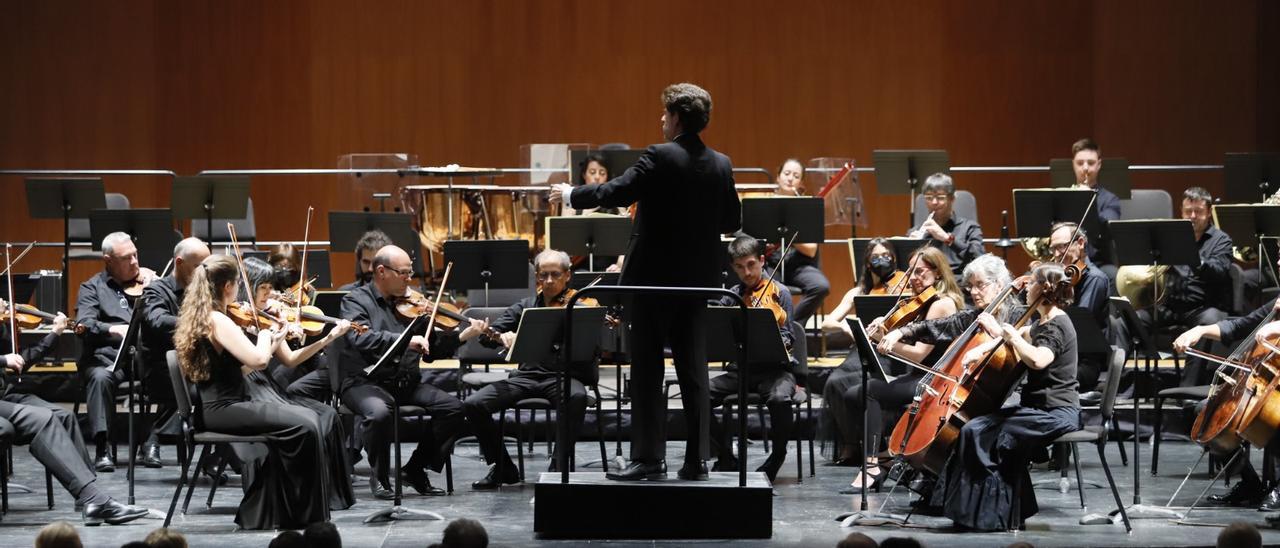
(705, 292)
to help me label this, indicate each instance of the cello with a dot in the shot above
(1237, 400)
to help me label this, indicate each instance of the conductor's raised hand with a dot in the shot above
(560, 193)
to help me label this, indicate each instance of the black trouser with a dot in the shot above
(100, 397)
(494, 398)
(1089, 371)
(679, 321)
(159, 390)
(814, 287)
(371, 402)
(55, 440)
(892, 396)
(1197, 371)
(776, 387)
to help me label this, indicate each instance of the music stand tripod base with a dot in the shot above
(400, 513)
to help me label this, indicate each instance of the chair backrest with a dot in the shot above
(474, 352)
(1147, 204)
(800, 348)
(78, 229)
(246, 230)
(965, 206)
(1114, 369)
(181, 394)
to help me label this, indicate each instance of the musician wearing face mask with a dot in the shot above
(104, 307)
(368, 245)
(775, 383)
(960, 239)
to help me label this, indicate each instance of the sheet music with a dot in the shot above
(397, 348)
(863, 343)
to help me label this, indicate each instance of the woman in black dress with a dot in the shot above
(985, 484)
(215, 354)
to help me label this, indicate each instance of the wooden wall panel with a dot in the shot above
(242, 84)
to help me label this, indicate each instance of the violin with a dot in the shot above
(897, 280)
(767, 295)
(133, 288)
(244, 316)
(910, 310)
(30, 317)
(312, 320)
(290, 296)
(413, 304)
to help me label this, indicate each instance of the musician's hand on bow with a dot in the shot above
(560, 193)
(891, 338)
(118, 331)
(420, 344)
(989, 324)
(14, 362)
(59, 323)
(474, 329)
(1188, 339)
(508, 339)
(1269, 331)
(875, 330)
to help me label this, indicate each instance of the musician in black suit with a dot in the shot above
(685, 199)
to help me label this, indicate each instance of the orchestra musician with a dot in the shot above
(161, 303)
(53, 433)
(286, 260)
(775, 383)
(368, 245)
(686, 200)
(880, 276)
(1092, 293)
(960, 239)
(802, 267)
(1086, 162)
(370, 397)
(104, 307)
(290, 491)
(530, 380)
(976, 488)
(886, 400)
(593, 171)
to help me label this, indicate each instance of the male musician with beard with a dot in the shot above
(1092, 293)
(685, 200)
(775, 383)
(104, 309)
(959, 238)
(531, 380)
(366, 248)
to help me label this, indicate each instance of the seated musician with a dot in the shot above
(929, 269)
(593, 171)
(104, 308)
(366, 247)
(286, 260)
(960, 239)
(370, 396)
(802, 267)
(1092, 293)
(53, 433)
(1086, 162)
(531, 380)
(773, 382)
(1199, 295)
(985, 484)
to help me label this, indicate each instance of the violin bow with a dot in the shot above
(9, 267)
(302, 269)
(13, 308)
(431, 322)
(774, 272)
(244, 277)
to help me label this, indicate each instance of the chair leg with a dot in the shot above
(48, 487)
(1102, 456)
(1157, 430)
(520, 445)
(1124, 454)
(4, 481)
(550, 428)
(222, 466)
(204, 453)
(177, 491)
(448, 472)
(1075, 456)
(813, 467)
(795, 431)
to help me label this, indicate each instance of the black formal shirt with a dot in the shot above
(966, 246)
(1233, 329)
(1093, 294)
(1208, 285)
(102, 303)
(161, 301)
(1108, 205)
(367, 306)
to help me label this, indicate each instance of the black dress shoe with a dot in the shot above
(772, 464)
(105, 464)
(637, 471)
(725, 465)
(693, 471)
(510, 476)
(418, 480)
(1272, 501)
(112, 512)
(151, 456)
(380, 490)
(1243, 494)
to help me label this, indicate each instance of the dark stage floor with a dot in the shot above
(803, 512)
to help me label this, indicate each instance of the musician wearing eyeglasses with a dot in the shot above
(1092, 292)
(960, 239)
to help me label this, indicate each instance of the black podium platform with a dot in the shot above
(592, 507)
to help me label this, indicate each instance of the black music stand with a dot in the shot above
(615, 161)
(151, 229)
(902, 172)
(589, 235)
(1250, 177)
(65, 199)
(392, 358)
(347, 227)
(780, 218)
(1113, 176)
(868, 356)
(1251, 222)
(724, 334)
(1164, 242)
(902, 250)
(487, 264)
(201, 196)
(1035, 210)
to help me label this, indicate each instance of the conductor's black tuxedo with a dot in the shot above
(685, 199)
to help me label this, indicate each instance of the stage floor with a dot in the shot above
(803, 512)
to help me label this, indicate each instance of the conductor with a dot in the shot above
(685, 199)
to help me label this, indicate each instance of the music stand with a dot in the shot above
(347, 227)
(782, 217)
(488, 264)
(873, 306)
(902, 171)
(1035, 210)
(65, 199)
(1250, 222)
(724, 333)
(902, 250)
(201, 195)
(1113, 176)
(1248, 175)
(151, 229)
(589, 235)
(1166, 242)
